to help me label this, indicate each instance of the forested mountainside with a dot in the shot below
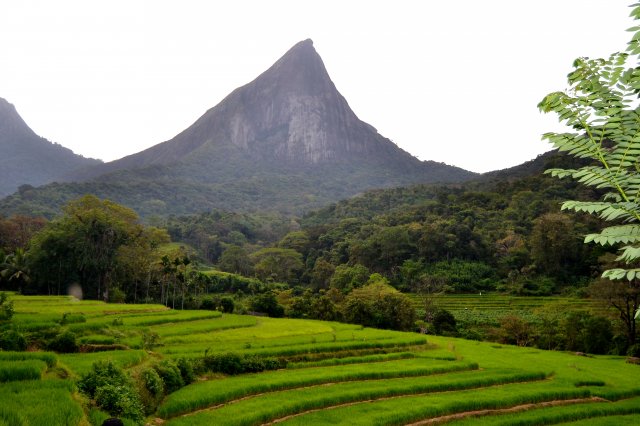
(287, 142)
(28, 159)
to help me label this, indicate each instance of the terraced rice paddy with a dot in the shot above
(336, 374)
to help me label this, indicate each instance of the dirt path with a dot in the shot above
(444, 419)
(255, 395)
(514, 409)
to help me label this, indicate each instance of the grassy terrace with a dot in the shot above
(336, 374)
(505, 303)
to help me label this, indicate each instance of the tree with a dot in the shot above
(346, 278)
(321, 274)
(236, 260)
(555, 247)
(83, 244)
(624, 297)
(14, 269)
(601, 108)
(16, 231)
(278, 264)
(377, 304)
(137, 261)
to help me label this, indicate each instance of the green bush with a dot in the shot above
(120, 401)
(102, 373)
(208, 304)
(11, 340)
(112, 390)
(170, 374)
(64, 343)
(444, 322)
(151, 389)
(152, 382)
(227, 304)
(634, 350)
(6, 308)
(232, 363)
(186, 370)
(222, 304)
(266, 303)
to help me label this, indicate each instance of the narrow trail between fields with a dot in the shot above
(348, 404)
(514, 409)
(255, 395)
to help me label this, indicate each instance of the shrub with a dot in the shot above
(112, 390)
(11, 340)
(267, 303)
(170, 374)
(232, 363)
(222, 304)
(151, 389)
(227, 304)
(634, 350)
(186, 370)
(6, 308)
(208, 304)
(444, 322)
(102, 373)
(120, 400)
(64, 343)
(152, 382)
(150, 339)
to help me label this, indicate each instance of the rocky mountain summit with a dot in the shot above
(288, 140)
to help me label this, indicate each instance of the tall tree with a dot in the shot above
(83, 244)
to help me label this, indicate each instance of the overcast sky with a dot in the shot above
(450, 81)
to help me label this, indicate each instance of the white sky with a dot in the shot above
(451, 81)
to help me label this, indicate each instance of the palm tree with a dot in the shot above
(14, 269)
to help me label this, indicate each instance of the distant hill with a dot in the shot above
(288, 141)
(26, 158)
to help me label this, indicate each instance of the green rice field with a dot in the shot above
(331, 373)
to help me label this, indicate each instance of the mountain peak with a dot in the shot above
(290, 124)
(26, 158)
(300, 69)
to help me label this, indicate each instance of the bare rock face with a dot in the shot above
(294, 111)
(291, 114)
(286, 141)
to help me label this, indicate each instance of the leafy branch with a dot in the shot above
(602, 109)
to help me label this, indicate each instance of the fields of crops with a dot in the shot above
(332, 373)
(506, 303)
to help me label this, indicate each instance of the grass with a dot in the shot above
(11, 371)
(562, 414)
(200, 326)
(282, 337)
(48, 357)
(276, 405)
(399, 411)
(490, 302)
(81, 363)
(204, 394)
(346, 373)
(353, 360)
(39, 402)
